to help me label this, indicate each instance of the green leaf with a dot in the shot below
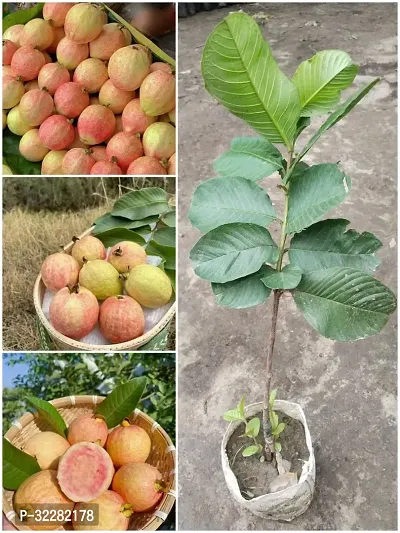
(274, 420)
(232, 415)
(288, 278)
(233, 251)
(253, 427)
(172, 276)
(141, 204)
(122, 401)
(167, 253)
(165, 237)
(252, 158)
(107, 222)
(272, 397)
(344, 304)
(278, 430)
(327, 244)
(314, 192)
(250, 450)
(240, 72)
(169, 219)
(17, 466)
(49, 413)
(241, 406)
(222, 201)
(243, 292)
(22, 16)
(278, 446)
(320, 79)
(114, 236)
(302, 124)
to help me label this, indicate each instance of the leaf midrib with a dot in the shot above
(324, 85)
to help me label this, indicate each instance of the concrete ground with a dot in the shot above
(348, 391)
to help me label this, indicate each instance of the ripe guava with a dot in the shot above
(159, 140)
(121, 319)
(70, 54)
(55, 12)
(96, 124)
(127, 254)
(88, 428)
(99, 154)
(35, 106)
(125, 147)
(27, 62)
(128, 67)
(37, 33)
(13, 33)
(149, 285)
(57, 132)
(114, 98)
(13, 91)
(134, 119)
(78, 161)
(52, 163)
(110, 39)
(47, 447)
(59, 270)
(101, 278)
(51, 76)
(31, 85)
(59, 34)
(157, 93)
(91, 74)
(106, 168)
(31, 147)
(85, 471)
(70, 99)
(159, 65)
(128, 444)
(114, 513)
(83, 23)
(9, 48)
(146, 166)
(88, 247)
(74, 311)
(172, 165)
(139, 484)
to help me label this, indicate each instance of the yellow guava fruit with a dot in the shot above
(101, 278)
(47, 447)
(149, 286)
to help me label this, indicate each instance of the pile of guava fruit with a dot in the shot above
(84, 99)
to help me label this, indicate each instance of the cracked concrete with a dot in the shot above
(348, 391)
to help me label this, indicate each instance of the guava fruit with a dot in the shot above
(121, 319)
(85, 471)
(35, 106)
(139, 484)
(146, 166)
(110, 39)
(96, 124)
(106, 168)
(172, 116)
(55, 12)
(59, 270)
(114, 513)
(88, 247)
(8, 71)
(6, 170)
(114, 98)
(77, 142)
(74, 311)
(13, 33)
(128, 36)
(99, 154)
(52, 163)
(70, 99)
(157, 93)
(88, 428)
(128, 67)
(125, 147)
(27, 62)
(172, 165)
(13, 91)
(91, 74)
(31, 85)
(57, 132)
(59, 34)
(47, 447)
(31, 147)
(52, 76)
(149, 285)
(127, 254)
(128, 444)
(134, 119)
(78, 161)
(118, 125)
(159, 140)
(159, 65)
(101, 278)
(83, 23)
(70, 54)
(9, 49)
(37, 33)
(41, 489)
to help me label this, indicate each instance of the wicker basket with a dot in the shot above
(162, 455)
(65, 343)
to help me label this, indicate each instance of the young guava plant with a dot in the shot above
(326, 268)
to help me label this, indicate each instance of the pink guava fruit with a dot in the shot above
(70, 99)
(139, 484)
(172, 165)
(128, 443)
(13, 33)
(59, 34)
(47, 447)
(57, 132)
(126, 255)
(13, 91)
(88, 247)
(77, 142)
(145, 50)
(128, 67)
(85, 471)
(52, 76)
(31, 147)
(88, 428)
(31, 85)
(35, 106)
(55, 12)
(106, 168)
(157, 93)
(99, 153)
(91, 74)
(37, 33)
(15, 124)
(83, 23)
(114, 513)
(37, 492)
(110, 39)
(159, 65)
(52, 163)
(118, 125)
(159, 140)
(59, 270)
(71, 54)
(78, 161)
(114, 98)
(27, 62)
(8, 71)
(9, 49)
(125, 147)
(146, 166)
(134, 119)
(74, 311)
(96, 124)
(121, 319)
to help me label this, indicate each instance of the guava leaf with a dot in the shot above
(233, 414)
(107, 222)
(114, 236)
(288, 278)
(49, 413)
(253, 427)
(169, 219)
(141, 204)
(17, 466)
(250, 450)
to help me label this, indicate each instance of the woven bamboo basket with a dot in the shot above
(162, 456)
(65, 343)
